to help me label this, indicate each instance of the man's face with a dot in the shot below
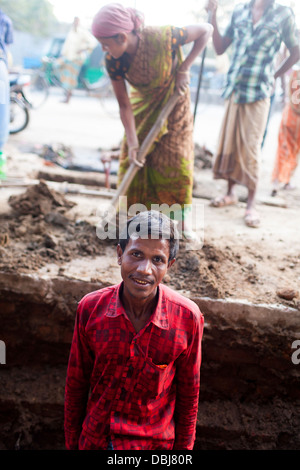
(144, 263)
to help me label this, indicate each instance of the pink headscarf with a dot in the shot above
(113, 19)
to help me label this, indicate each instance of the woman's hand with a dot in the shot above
(182, 81)
(133, 155)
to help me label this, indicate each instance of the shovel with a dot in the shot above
(154, 131)
(201, 72)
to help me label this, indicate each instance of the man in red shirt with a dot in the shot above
(134, 369)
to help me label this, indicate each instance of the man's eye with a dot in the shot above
(157, 259)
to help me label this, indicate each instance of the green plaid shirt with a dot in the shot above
(251, 74)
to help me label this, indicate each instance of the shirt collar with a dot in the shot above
(160, 314)
(251, 3)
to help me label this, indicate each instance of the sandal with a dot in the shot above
(252, 219)
(288, 187)
(223, 201)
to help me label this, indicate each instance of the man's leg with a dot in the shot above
(67, 97)
(255, 117)
(228, 199)
(251, 216)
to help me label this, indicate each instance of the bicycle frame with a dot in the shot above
(50, 76)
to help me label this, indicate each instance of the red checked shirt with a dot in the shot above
(140, 390)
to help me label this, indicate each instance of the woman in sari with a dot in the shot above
(150, 59)
(289, 137)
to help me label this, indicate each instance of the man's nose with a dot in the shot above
(145, 266)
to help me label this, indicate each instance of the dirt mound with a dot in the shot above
(196, 272)
(40, 231)
(39, 200)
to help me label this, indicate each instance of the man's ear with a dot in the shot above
(119, 253)
(170, 263)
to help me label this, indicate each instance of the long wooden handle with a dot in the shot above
(154, 131)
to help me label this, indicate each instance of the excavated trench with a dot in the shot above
(250, 394)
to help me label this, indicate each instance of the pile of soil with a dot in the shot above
(220, 272)
(39, 230)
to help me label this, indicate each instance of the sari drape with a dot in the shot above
(289, 134)
(167, 176)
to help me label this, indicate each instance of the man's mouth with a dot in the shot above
(141, 282)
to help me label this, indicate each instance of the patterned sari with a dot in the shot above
(289, 134)
(67, 72)
(167, 176)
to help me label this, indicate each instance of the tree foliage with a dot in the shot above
(32, 16)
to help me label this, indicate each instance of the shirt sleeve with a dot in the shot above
(9, 39)
(77, 384)
(179, 37)
(116, 68)
(289, 31)
(188, 387)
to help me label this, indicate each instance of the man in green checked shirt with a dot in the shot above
(256, 31)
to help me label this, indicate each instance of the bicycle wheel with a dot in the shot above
(19, 115)
(37, 91)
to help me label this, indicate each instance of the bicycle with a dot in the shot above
(19, 110)
(43, 79)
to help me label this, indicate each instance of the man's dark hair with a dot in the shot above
(153, 225)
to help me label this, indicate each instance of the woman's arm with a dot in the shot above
(199, 35)
(127, 118)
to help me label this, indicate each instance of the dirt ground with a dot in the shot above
(44, 231)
